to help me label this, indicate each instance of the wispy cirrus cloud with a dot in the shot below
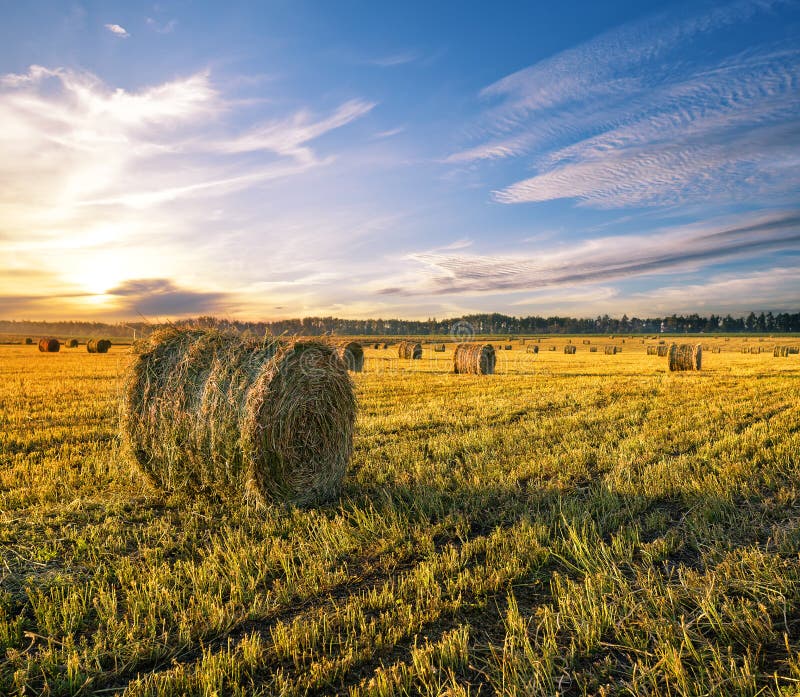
(599, 260)
(626, 120)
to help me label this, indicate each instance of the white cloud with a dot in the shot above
(118, 30)
(99, 184)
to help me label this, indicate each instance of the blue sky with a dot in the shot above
(285, 159)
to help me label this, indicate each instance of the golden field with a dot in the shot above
(574, 524)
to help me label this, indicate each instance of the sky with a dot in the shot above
(356, 159)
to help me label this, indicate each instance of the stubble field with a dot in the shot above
(575, 524)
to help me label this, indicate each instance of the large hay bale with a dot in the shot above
(49, 345)
(409, 349)
(532, 349)
(570, 348)
(205, 410)
(98, 345)
(610, 350)
(474, 359)
(72, 343)
(352, 355)
(685, 357)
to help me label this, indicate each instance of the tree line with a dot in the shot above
(493, 323)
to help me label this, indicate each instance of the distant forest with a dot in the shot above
(480, 324)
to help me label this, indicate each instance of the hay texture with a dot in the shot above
(49, 345)
(72, 343)
(265, 420)
(663, 350)
(352, 355)
(685, 357)
(98, 345)
(474, 359)
(532, 349)
(570, 348)
(409, 349)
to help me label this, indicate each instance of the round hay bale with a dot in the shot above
(593, 349)
(98, 345)
(49, 345)
(440, 348)
(211, 411)
(509, 347)
(72, 343)
(377, 346)
(611, 350)
(29, 342)
(663, 350)
(474, 359)
(385, 346)
(570, 348)
(409, 349)
(352, 355)
(532, 349)
(685, 357)
(652, 350)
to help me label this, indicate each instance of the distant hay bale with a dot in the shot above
(593, 349)
(474, 359)
(716, 349)
(552, 348)
(780, 351)
(662, 350)
(409, 349)
(385, 346)
(211, 411)
(509, 347)
(98, 345)
(794, 350)
(49, 345)
(610, 350)
(662, 342)
(570, 349)
(532, 349)
(352, 355)
(685, 357)
(72, 343)
(652, 350)
(440, 348)
(29, 342)
(586, 342)
(377, 346)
